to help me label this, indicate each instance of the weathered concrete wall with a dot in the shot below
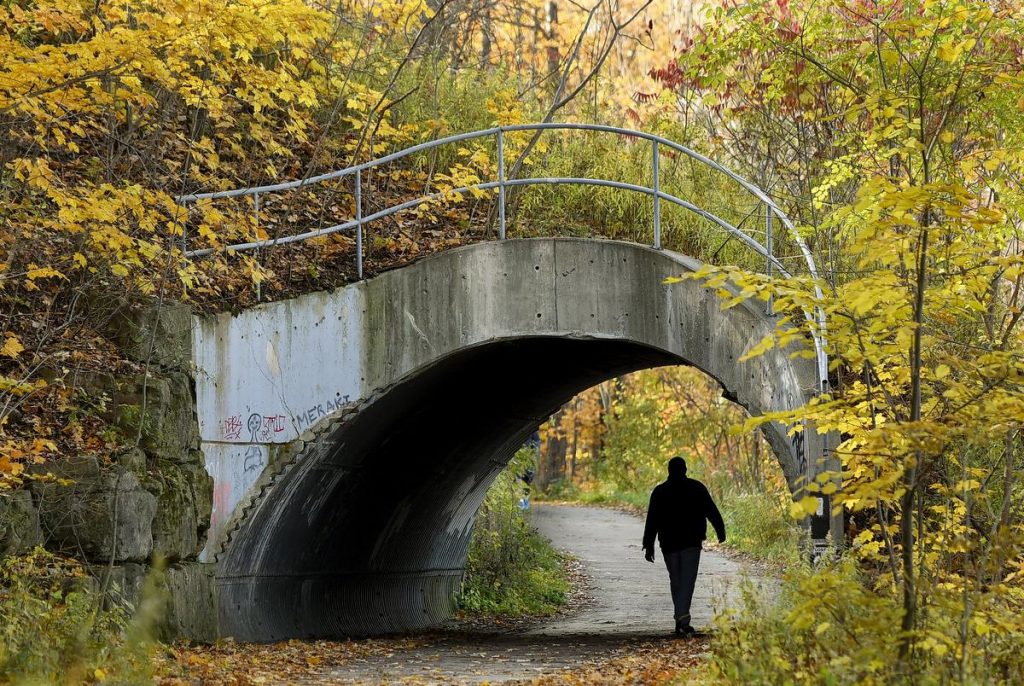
(352, 435)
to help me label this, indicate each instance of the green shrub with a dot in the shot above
(609, 494)
(757, 523)
(830, 626)
(512, 570)
(58, 629)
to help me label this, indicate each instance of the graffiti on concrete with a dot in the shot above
(231, 428)
(253, 459)
(801, 453)
(273, 424)
(310, 416)
(262, 427)
(254, 424)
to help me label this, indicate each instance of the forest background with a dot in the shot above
(890, 131)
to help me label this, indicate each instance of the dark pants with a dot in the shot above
(682, 573)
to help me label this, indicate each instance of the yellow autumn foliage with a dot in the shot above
(916, 217)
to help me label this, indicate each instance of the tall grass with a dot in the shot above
(628, 215)
(512, 570)
(468, 101)
(758, 524)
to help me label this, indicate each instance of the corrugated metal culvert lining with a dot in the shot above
(366, 530)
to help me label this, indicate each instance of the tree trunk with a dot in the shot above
(755, 461)
(575, 437)
(550, 24)
(551, 465)
(485, 37)
(909, 499)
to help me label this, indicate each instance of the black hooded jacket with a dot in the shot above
(678, 514)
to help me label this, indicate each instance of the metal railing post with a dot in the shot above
(501, 184)
(770, 307)
(656, 162)
(359, 223)
(256, 213)
(183, 208)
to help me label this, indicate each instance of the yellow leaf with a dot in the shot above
(99, 674)
(949, 53)
(807, 505)
(10, 468)
(12, 346)
(35, 272)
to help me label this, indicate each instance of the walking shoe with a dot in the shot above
(683, 627)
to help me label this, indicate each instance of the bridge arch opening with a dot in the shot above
(367, 532)
(361, 524)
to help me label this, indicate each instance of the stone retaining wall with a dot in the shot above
(119, 513)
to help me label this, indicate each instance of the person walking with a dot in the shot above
(678, 514)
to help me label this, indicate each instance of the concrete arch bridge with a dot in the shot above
(352, 434)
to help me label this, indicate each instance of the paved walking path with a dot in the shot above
(629, 605)
(630, 595)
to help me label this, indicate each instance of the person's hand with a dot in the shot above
(649, 554)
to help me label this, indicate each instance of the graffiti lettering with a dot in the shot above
(271, 425)
(310, 416)
(231, 428)
(263, 427)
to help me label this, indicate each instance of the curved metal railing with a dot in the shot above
(658, 145)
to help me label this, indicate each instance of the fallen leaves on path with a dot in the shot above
(253, 664)
(647, 663)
